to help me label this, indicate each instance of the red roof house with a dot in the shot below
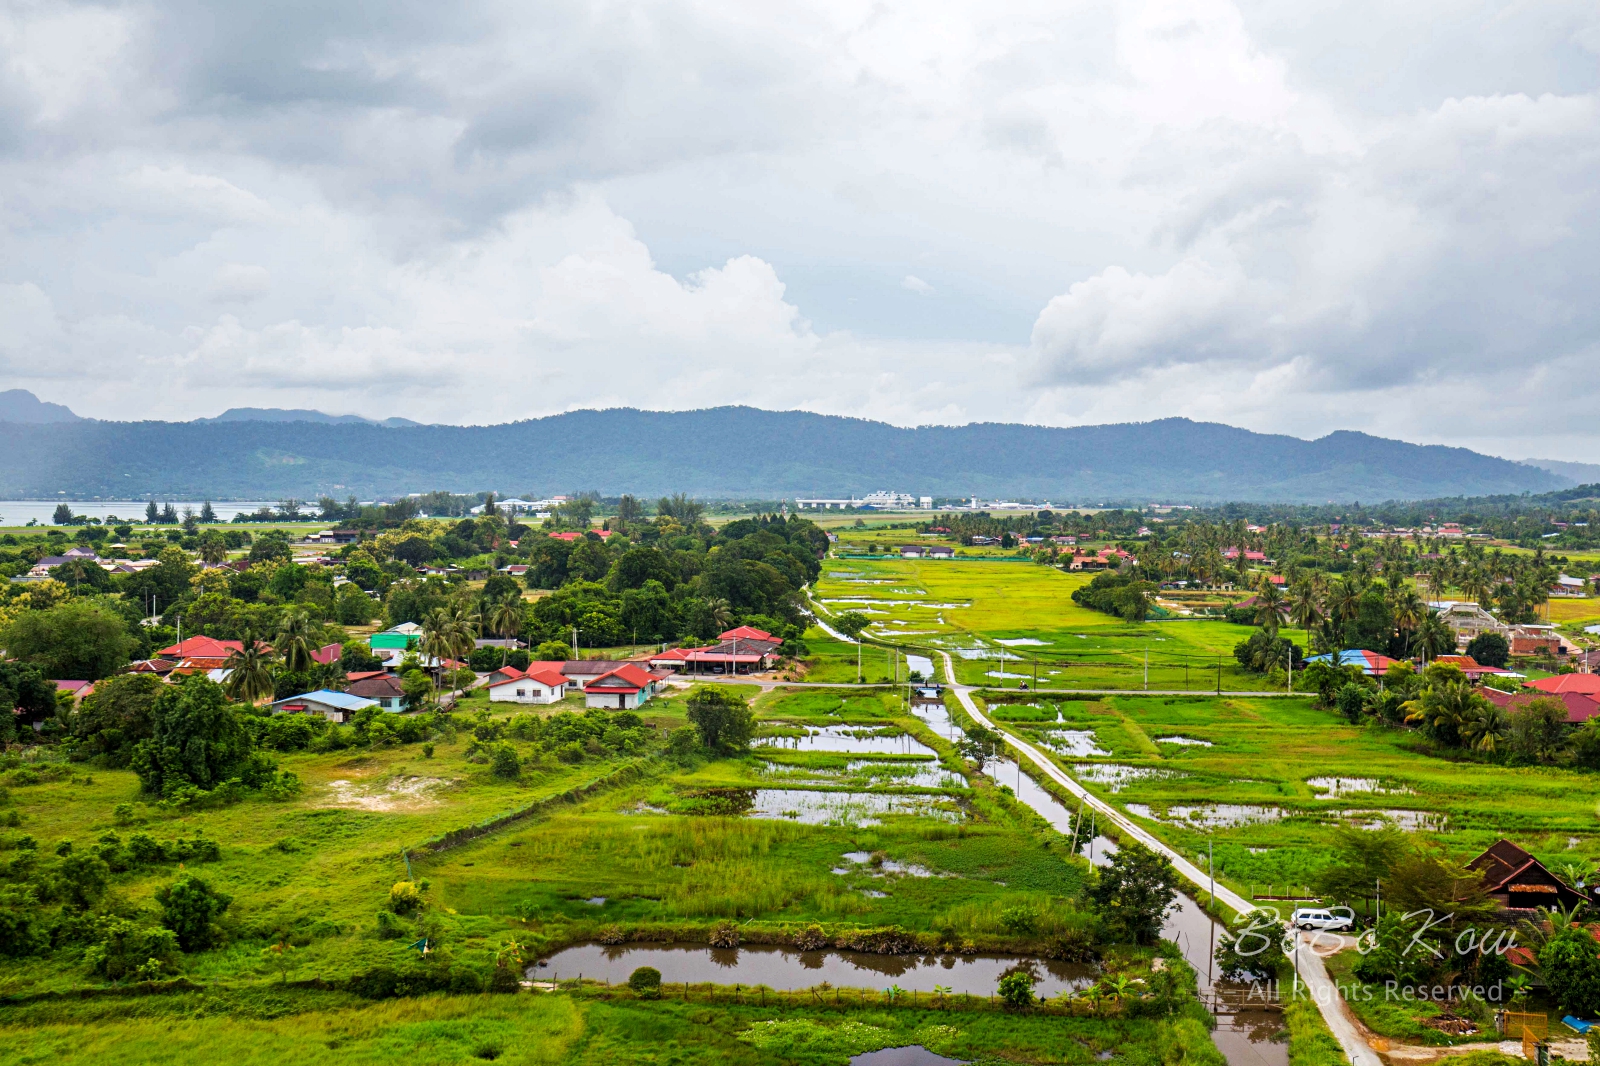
(749, 633)
(201, 647)
(1580, 706)
(1588, 684)
(628, 686)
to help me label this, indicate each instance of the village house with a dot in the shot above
(941, 551)
(541, 682)
(1519, 883)
(379, 686)
(625, 688)
(337, 707)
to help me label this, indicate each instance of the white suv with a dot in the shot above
(1310, 918)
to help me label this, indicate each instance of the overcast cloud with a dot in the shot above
(1292, 216)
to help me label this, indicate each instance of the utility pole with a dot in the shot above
(1219, 675)
(1147, 668)
(1211, 869)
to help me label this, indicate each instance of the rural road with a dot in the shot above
(1312, 971)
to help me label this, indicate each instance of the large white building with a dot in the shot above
(876, 501)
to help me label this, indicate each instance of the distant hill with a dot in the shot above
(20, 405)
(1575, 473)
(286, 414)
(735, 452)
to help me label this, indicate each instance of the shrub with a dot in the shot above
(505, 979)
(21, 930)
(725, 935)
(645, 982)
(505, 763)
(1489, 649)
(405, 897)
(190, 908)
(1570, 963)
(390, 927)
(1016, 989)
(811, 938)
(124, 949)
(1018, 920)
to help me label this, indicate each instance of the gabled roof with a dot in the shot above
(1580, 706)
(344, 701)
(328, 653)
(671, 654)
(547, 674)
(748, 633)
(201, 646)
(1587, 684)
(383, 686)
(629, 677)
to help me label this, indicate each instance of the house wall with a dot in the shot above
(532, 692)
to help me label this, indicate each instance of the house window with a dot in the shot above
(522, 692)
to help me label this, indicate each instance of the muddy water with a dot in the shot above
(787, 968)
(1246, 1032)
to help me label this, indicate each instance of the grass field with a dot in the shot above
(314, 1028)
(973, 609)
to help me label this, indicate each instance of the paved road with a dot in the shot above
(1312, 971)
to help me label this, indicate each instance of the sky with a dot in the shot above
(1294, 216)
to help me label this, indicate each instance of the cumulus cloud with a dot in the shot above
(1294, 217)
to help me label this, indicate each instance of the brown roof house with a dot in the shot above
(1519, 882)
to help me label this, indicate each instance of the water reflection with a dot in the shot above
(787, 969)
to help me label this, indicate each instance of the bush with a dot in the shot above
(723, 719)
(645, 982)
(505, 979)
(505, 763)
(1016, 989)
(22, 932)
(390, 927)
(124, 949)
(405, 897)
(724, 935)
(190, 908)
(1570, 962)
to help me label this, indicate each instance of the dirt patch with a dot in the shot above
(404, 793)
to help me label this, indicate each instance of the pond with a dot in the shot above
(1336, 787)
(1076, 743)
(842, 808)
(1116, 776)
(787, 969)
(870, 773)
(920, 664)
(848, 741)
(1212, 815)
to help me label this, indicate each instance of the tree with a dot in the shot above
(1352, 700)
(78, 640)
(1485, 726)
(207, 512)
(24, 688)
(1570, 964)
(1538, 728)
(1269, 607)
(505, 619)
(250, 671)
(196, 739)
(723, 719)
(1489, 649)
(295, 641)
(152, 514)
(1360, 859)
(1135, 891)
(851, 623)
(1016, 989)
(63, 515)
(505, 763)
(117, 715)
(213, 547)
(190, 908)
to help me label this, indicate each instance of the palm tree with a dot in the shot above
(448, 633)
(250, 672)
(1484, 725)
(504, 617)
(1408, 610)
(294, 640)
(1344, 600)
(1433, 638)
(1269, 607)
(213, 548)
(1305, 607)
(721, 612)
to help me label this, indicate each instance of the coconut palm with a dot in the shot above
(1305, 607)
(1269, 607)
(1344, 600)
(1408, 610)
(250, 671)
(504, 618)
(721, 612)
(1433, 638)
(1484, 726)
(295, 641)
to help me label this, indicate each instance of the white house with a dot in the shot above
(539, 683)
(334, 706)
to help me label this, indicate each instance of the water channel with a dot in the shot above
(1249, 1027)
